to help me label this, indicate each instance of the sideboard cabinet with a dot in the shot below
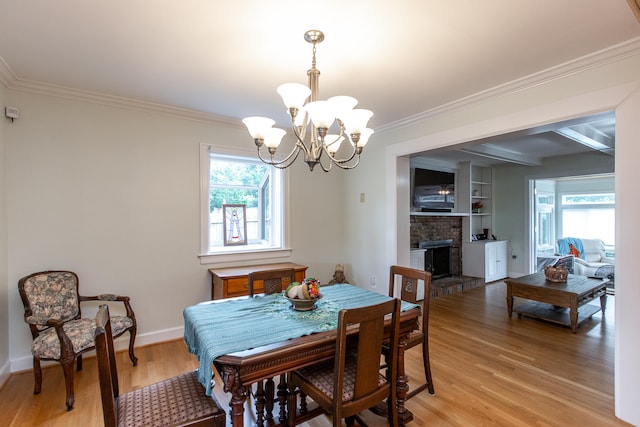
(232, 281)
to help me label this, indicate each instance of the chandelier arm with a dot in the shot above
(341, 161)
(300, 137)
(352, 166)
(285, 163)
(324, 168)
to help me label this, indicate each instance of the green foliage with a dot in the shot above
(235, 182)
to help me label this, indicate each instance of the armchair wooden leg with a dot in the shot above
(67, 368)
(37, 376)
(79, 363)
(132, 340)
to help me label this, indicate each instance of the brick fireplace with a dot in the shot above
(424, 228)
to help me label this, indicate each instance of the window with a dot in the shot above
(238, 179)
(589, 215)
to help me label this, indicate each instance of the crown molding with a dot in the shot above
(6, 73)
(9, 79)
(610, 55)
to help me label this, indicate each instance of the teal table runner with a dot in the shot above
(215, 328)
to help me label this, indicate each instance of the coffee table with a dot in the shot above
(563, 303)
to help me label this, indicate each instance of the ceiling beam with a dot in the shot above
(589, 136)
(492, 151)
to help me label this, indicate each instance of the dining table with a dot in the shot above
(250, 340)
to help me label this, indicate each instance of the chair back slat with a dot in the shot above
(272, 280)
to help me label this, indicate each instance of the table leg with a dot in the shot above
(269, 391)
(261, 402)
(232, 384)
(282, 398)
(603, 302)
(404, 415)
(573, 314)
(402, 387)
(509, 300)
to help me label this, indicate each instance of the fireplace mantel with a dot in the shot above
(438, 214)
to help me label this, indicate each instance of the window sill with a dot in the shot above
(252, 255)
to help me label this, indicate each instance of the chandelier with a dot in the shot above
(313, 118)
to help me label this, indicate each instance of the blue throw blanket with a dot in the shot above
(563, 246)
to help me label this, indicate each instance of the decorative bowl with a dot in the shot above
(303, 304)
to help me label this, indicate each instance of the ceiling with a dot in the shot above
(403, 59)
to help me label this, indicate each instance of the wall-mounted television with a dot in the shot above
(433, 191)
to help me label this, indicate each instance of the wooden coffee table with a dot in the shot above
(563, 303)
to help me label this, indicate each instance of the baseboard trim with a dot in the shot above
(25, 363)
(4, 373)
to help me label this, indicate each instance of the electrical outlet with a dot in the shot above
(373, 282)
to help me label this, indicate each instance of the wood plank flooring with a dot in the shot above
(488, 370)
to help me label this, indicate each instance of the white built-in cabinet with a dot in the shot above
(485, 258)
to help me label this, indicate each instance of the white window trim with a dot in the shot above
(237, 254)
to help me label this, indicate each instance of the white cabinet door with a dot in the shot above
(485, 258)
(495, 261)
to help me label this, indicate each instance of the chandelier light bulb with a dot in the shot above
(258, 126)
(342, 105)
(355, 121)
(294, 95)
(321, 113)
(363, 138)
(332, 142)
(273, 137)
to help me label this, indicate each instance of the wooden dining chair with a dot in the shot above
(177, 401)
(406, 280)
(52, 309)
(273, 281)
(352, 382)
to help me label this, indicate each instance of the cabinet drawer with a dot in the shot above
(236, 287)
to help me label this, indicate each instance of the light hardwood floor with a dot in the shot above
(488, 370)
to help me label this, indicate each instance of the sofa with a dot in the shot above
(589, 256)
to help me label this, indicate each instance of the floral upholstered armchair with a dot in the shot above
(52, 310)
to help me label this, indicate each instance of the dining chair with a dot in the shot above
(352, 382)
(406, 279)
(177, 401)
(51, 302)
(273, 281)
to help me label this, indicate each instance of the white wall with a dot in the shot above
(4, 291)
(113, 194)
(575, 93)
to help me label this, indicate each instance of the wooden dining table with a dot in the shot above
(250, 340)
